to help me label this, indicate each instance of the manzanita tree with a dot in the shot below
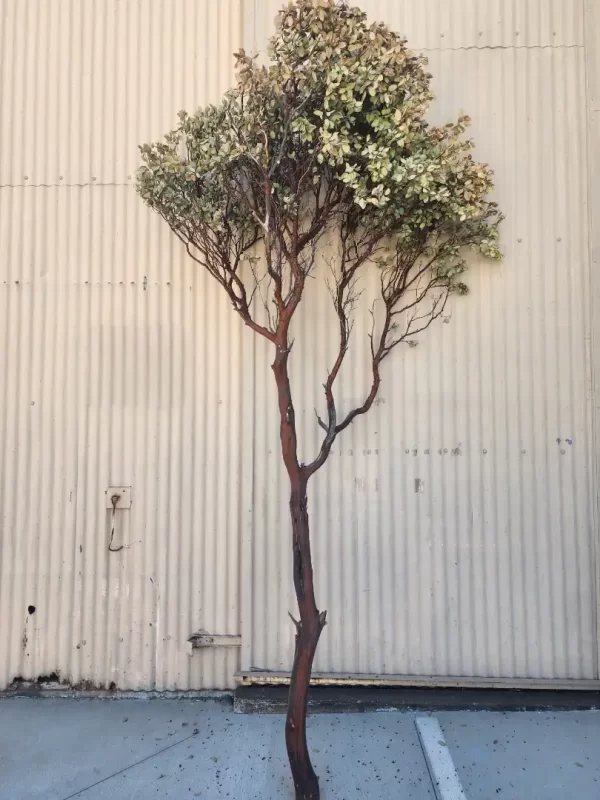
(329, 139)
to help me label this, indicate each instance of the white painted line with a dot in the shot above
(442, 771)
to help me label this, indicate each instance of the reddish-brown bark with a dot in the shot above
(311, 622)
(308, 631)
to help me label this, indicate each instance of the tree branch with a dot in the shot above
(344, 298)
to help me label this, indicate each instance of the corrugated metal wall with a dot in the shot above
(121, 367)
(454, 527)
(120, 360)
(592, 59)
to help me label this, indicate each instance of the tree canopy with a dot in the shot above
(330, 135)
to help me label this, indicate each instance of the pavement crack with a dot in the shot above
(129, 766)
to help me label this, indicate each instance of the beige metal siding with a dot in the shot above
(120, 361)
(490, 570)
(120, 364)
(592, 60)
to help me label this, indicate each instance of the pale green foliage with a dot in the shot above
(338, 113)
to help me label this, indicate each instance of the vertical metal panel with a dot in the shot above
(490, 570)
(120, 361)
(592, 60)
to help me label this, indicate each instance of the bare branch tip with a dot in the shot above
(296, 622)
(320, 421)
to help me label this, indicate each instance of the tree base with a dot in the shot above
(313, 795)
(308, 789)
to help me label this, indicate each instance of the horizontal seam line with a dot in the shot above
(59, 185)
(501, 47)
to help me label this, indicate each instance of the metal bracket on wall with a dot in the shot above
(122, 492)
(204, 639)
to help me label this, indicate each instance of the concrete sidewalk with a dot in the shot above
(61, 749)
(534, 756)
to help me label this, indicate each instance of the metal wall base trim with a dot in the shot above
(362, 699)
(267, 678)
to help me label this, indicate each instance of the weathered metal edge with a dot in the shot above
(265, 678)
(369, 699)
(34, 691)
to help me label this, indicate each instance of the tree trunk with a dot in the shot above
(308, 631)
(311, 623)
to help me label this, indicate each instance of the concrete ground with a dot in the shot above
(61, 749)
(534, 756)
